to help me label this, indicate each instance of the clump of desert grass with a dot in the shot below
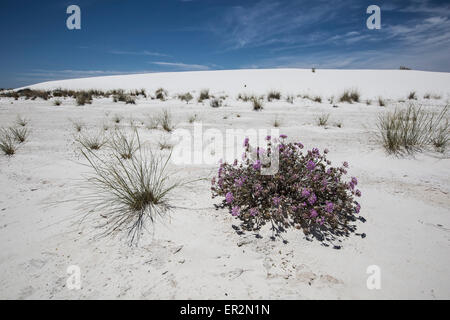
(350, 96)
(204, 95)
(412, 129)
(19, 134)
(273, 95)
(22, 122)
(92, 140)
(116, 119)
(165, 119)
(57, 102)
(161, 94)
(124, 144)
(322, 120)
(276, 123)
(83, 97)
(412, 95)
(246, 97)
(317, 99)
(78, 125)
(8, 144)
(381, 102)
(185, 97)
(129, 194)
(215, 103)
(257, 104)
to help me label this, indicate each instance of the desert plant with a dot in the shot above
(92, 141)
(7, 142)
(306, 192)
(215, 103)
(313, 70)
(165, 119)
(57, 102)
(129, 193)
(123, 144)
(317, 99)
(257, 104)
(204, 95)
(276, 122)
(350, 96)
(185, 97)
(322, 120)
(161, 94)
(273, 95)
(116, 118)
(411, 129)
(21, 121)
(130, 100)
(83, 98)
(165, 145)
(381, 102)
(19, 134)
(412, 96)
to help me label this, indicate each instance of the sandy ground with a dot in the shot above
(196, 254)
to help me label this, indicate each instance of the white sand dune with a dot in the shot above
(371, 83)
(196, 254)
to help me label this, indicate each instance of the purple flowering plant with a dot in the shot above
(306, 193)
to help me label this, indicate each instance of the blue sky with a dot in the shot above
(132, 36)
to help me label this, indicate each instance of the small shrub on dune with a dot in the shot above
(161, 94)
(412, 129)
(57, 102)
(83, 98)
(78, 125)
(257, 104)
(381, 102)
(412, 96)
(273, 95)
(116, 119)
(204, 95)
(130, 194)
(318, 99)
(7, 142)
(322, 120)
(350, 96)
(185, 97)
(306, 192)
(245, 97)
(215, 103)
(276, 123)
(165, 119)
(130, 100)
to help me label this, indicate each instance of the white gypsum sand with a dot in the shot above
(196, 254)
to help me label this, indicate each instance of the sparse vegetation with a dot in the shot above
(381, 102)
(161, 94)
(92, 141)
(273, 95)
(411, 129)
(257, 104)
(123, 144)
(116, 119)
(165, 119)
(412, 96)
(78, 125)
(290, 98)
(57, 102)
(83, 98)
(350, 96)
(185, 97)
(192, 118)
(276, 122)
(204, 95)
(215, 103)
(7, 142)
(318, 99)
(19, 134)
(322, 120)
(129, 193)
(22, 122)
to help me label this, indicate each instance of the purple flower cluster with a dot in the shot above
(306, 192)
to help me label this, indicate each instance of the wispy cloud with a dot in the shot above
(138, 53)
(42, 74)
(180, 65)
